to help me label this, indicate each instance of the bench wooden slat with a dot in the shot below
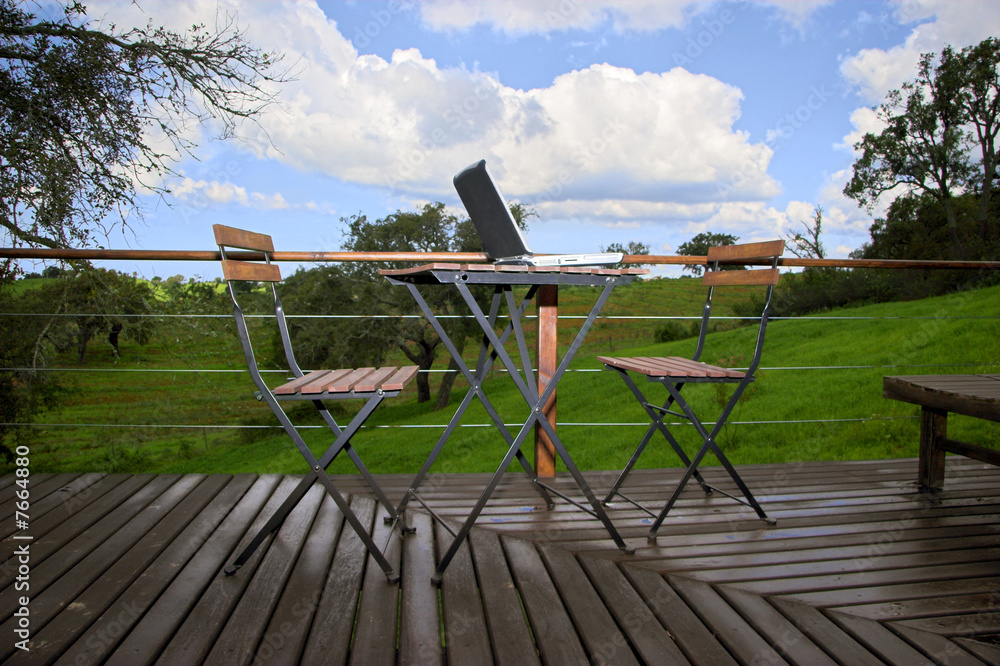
(400, 378)
(361, 380)
(245, 240)
(297, 383)
(747, 251)
(247, 271)
(374, 380)
(766, 276)
(669, 366)
(417, 270)
(347, 382)
(320, 384)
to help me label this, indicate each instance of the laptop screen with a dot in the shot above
(489, 212)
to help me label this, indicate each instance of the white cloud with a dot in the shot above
(864, 121)
(599, 133)
(941, 22)
(205, 193)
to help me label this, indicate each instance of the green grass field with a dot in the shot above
(827, 414)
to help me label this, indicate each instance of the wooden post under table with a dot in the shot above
(548, 359)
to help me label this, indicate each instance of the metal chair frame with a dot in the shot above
(374, 392)
(674, 373)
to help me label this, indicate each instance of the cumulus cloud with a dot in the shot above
(204, 193)
(598, 134)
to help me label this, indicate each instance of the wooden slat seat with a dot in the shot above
(669, 366)
(345, 380)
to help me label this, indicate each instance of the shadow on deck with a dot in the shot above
(861, 568)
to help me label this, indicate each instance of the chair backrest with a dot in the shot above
(241, 269)
(247, 270)
(747, 252)
(768, 251)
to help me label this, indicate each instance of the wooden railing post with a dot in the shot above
(548, 359)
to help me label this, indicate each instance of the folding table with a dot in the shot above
(504, 279)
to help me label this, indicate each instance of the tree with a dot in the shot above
(808, 245)
(633, 248)
(977, 72)
(698, 247)
(932, 125)
(79, 110)
(79, 107)
(105, 301)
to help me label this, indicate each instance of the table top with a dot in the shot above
(974, 395)
(443, 273)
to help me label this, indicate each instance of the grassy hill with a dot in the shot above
(836, 412)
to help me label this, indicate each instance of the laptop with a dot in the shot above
(498, 230)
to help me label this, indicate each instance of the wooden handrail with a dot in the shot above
(460, 257)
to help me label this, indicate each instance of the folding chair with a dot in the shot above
(674, 372)
(369, 384)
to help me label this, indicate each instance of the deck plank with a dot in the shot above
(107, 631)
(197, 634)
(558, 642)
(40, 487)
(651, 641)
(466, 635)
(861, 565)
(509, 632)
(286, 634)
(75, 523)
(333, 625)
(105, 537)
(420, 620)
(375, 630)
(733, 631)
(70, 619)
(937, 647)
(598, 630)
(243, 631)
(53, 501)
(780, 633)
(698, 643)
(826, 634)
(886, 645)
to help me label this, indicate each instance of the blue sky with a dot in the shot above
(641, 120)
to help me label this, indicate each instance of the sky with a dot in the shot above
(637, 120)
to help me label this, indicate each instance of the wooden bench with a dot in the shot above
(971, 395)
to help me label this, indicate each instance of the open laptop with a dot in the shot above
(498, 230)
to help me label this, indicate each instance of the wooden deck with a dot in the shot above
(861, 568)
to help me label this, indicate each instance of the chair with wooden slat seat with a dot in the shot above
(369, 384)
(675, 372)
